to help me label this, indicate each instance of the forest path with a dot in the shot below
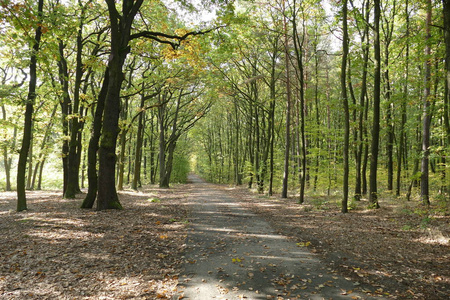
(234, 254)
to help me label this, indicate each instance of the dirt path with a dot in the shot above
(233, 254)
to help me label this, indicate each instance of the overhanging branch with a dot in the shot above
(172, 40)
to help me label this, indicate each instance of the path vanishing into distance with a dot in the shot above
(234, 254)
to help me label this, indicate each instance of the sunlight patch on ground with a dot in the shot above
(434, 237)
(266, 236)
(63, 234)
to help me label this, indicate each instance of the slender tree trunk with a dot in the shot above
(65, 103)
(162, 144)
(362, 108)
(123, 148)
(373, 197)
(284, 192)
(29, 108)
(73, 183)
(138, 150)
(344, 96)
(6, 159)
(30, 160)
(446, 13)
(389, 124)
(41, 170)
(401, 145)
(237, 126)
(424, 184)
(298, 44)
(366, 149)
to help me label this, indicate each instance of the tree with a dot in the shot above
(29, 107)
(298, 46)
(344, 96)
(373, 197)
(288, 106)
(426, 119)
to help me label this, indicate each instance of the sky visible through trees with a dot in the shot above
(104, 95)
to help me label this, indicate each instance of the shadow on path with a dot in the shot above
(234, 254)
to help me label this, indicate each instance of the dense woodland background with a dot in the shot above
(285, 96)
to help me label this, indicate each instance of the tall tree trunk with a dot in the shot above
(138, 150)
(424, 184)
(73, 183)
(123, 147)
(120, 37)
(65, 104)
(298, 44)
(401, 144)
(388, 29)
(344, 96)
(362, 108)
(162, 143)
(91, 195)
(284, 192)
(29, 108)
(446, 13)
(373, 197)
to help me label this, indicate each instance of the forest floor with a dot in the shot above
(56, 250)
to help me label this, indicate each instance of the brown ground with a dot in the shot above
(58, 251)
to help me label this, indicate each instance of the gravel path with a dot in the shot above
(234, 254)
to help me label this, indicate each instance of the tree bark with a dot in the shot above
(29, 108)
(401, 144)
(120, 37)
(446, 13)
(91, 195)
(65, 103)
(373, 196)
(344, 96)
(288, 112)
(303, 157)
(73, 182)
(362, 106)
(138, 150)
(426, 119)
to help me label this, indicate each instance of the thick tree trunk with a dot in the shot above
(107, 194)
(29, 108)
(120, 37)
